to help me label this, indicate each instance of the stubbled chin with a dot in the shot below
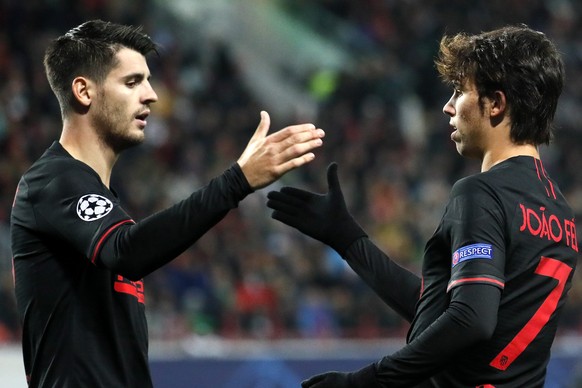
(120, 143)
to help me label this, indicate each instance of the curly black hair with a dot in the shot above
(522, 63)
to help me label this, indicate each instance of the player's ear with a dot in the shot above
(498, 104)
(83, 90)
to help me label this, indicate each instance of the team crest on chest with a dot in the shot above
(92, 207)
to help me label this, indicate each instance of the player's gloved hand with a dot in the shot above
(321, 216)
(328, 380)
(364, 378)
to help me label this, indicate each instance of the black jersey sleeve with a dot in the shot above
(135, 250)
(73, 208)
(474, 222)
(466, 321)
(395, 285)
(477, 224)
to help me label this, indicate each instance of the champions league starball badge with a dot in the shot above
(91, 207)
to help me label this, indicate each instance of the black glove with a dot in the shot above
(364, 378)
(321, 216)
(328, 380)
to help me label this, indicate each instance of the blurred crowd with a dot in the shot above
(251, 277)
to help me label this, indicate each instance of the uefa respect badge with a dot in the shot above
(473, 251)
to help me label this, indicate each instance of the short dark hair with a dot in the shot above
(89, 50)
(522, 63)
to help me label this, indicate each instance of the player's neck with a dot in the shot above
(495, 156)
(84, 145)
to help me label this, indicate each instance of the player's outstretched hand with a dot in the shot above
(328, 380)
(268, 157)
(321, 216)
(363, 378)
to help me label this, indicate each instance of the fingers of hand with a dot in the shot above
(292, 130)
(263, 127)
(302, 135)
(286, 164)
(281, 207)
(311, 382)
(294, 192)
(332, 179)
(296, 149)
(289, 219)
(267, 158)
(290, 137)
(290, 147)
(284, 202)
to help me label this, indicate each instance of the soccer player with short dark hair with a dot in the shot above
(497, 270)
(78, 257)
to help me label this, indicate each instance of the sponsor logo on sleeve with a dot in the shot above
(92, 207)
(126, 286)
(473, 251)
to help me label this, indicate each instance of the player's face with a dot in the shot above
(468, 120)
(122, 103)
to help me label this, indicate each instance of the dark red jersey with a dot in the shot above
(503, 255)
(79, 260)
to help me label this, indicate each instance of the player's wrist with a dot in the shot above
(344, 234)
(242, 184)
(364, 378)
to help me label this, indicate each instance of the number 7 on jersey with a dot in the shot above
(547, 267)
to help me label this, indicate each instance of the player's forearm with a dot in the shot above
(471, 317)
(135, 251)
(397, 286)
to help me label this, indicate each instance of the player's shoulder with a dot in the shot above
(511, 174)
(473, 184)
(54, 158)
(58, 169)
